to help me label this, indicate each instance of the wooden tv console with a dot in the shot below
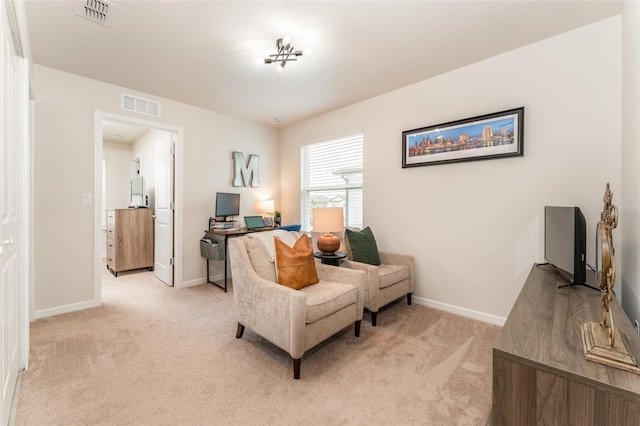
(540, 375)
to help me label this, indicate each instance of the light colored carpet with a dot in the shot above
(154, 355)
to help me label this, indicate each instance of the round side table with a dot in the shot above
(330, 259)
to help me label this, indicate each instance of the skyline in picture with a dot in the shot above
(467, 136)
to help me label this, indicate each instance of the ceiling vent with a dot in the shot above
(97, 11)
(140, 105)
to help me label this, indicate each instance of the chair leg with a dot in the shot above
(374, 317)
(358, 328)
(240, 331)
(296, 368)
(409, 298)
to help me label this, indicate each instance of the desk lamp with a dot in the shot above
(267, 207)
(328, 220)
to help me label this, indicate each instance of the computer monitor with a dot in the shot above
(227, 205)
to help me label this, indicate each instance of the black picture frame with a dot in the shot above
(466, 140)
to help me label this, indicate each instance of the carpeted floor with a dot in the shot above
(154, 355)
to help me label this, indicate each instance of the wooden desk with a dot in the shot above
(226, 235)
(540, 375)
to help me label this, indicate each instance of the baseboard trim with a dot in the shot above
(469, 313)
(203, 280)
(44, 313)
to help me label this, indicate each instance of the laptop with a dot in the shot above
(254, 222)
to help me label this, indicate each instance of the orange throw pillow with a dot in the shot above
(295, 266)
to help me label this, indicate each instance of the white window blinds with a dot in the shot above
(331, 176)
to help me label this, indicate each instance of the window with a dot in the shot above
(331, 176)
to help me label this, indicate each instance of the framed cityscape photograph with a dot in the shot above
(496, 135)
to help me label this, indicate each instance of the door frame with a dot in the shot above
(178, 212)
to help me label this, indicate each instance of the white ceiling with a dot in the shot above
(114, 131)
(209, 53)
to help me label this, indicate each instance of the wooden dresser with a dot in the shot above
(540, 375)
(129, 239)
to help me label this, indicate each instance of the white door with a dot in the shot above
(163, 245)
(9, 279)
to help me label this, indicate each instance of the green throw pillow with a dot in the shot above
(361, 246)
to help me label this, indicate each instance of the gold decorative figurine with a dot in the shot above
(605, 266)
(602, 342)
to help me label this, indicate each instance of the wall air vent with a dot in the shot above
(98, 11)
(140, 105)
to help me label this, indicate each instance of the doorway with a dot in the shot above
(131, 151)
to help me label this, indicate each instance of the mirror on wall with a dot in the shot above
(137, 192)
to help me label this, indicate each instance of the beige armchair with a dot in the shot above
(390, 280)
(294, 320)
(385, 283)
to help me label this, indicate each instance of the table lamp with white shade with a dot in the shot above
(267, 207)
(328, 220)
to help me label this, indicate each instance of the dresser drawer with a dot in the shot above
(111, 217)
(111, 255)
(111, 231)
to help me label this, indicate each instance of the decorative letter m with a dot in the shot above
(249, 172)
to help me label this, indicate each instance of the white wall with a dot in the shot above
(476, 228)
(145, 149)
(118, 158)
(630, 208)
(117, 182)
(65, 107)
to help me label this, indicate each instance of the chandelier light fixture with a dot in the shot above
(286, 53)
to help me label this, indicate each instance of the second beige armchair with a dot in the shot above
(390, 280)
(387, 281)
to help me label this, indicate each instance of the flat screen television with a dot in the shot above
(565, 242)
(227, 205)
